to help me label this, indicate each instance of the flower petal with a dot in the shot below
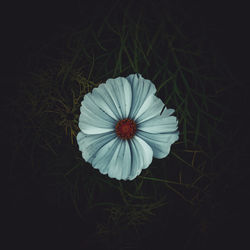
(93, 123)
(114, 159)
(142, 156)
(159, 124)
(91, 144)
(144, 107)
(141, 90)
(160, 143)
(121, 93)
(120, 164)
(90, 104)
(126, 170)
(153, 109)
(103, 100)
(115, 170)
(89, 125)
(104, 155)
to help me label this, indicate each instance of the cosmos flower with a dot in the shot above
(122, 127)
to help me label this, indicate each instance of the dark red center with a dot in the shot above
(125, 129)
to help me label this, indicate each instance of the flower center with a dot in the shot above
(125, 129)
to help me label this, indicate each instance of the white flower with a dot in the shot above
(122, 129)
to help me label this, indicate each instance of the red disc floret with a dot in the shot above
(125, 128)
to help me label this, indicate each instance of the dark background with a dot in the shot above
(27, 24)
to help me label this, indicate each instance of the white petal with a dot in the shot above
(89, 115)
(152, 110)
(104, 155)
(121, 93)
(144, 107)
(89, 126)
(126, 170)
(120, 164)
(90, 104)
(142, 156)
(91, 144)
(117, 159)
(141, 90)
(103, 100)
(159, 124)
(137, 161)
(92, 123)
(115, 169)
(160, 143)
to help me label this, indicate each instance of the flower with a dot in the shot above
(121, 128)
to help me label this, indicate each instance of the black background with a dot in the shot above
(26, 24)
